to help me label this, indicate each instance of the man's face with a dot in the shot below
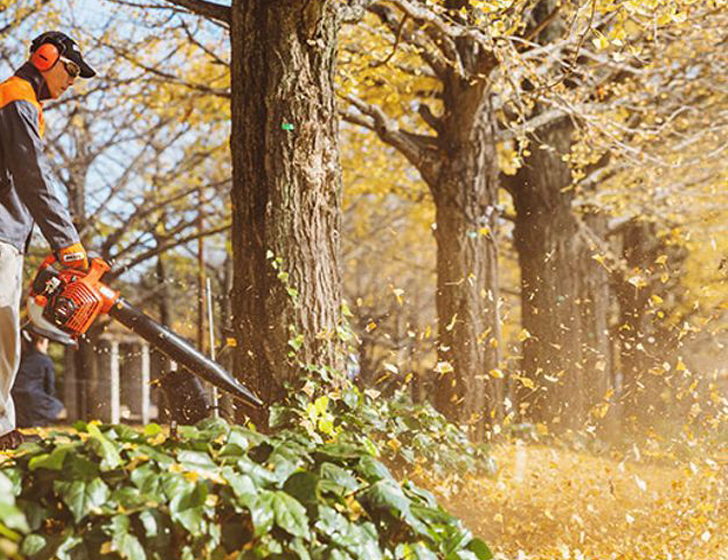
(60, 77)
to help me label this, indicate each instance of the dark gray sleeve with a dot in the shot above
(32, 177)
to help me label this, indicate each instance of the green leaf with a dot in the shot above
(82, 498)
(290, 515)
(12, 518)
(129, 497)
(128, 545)
(174, 484)
(385, 494)
(242, 485)
(187, 509)
(261, 513)
(194, 460)
(151, 430)
(298, 546)
(414, 551)
(304, 487)
(104, 448)
(480, 549)
(53, 460)
(331, 521)
(32, 545)
(340, 476)
(373, 470)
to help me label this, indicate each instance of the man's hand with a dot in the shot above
(73, 256)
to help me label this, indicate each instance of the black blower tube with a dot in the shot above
(181, 351)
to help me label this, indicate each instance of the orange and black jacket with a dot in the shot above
(28, 192)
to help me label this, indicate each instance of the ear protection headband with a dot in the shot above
(47, 54)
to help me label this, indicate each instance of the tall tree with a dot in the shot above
(286, 188)
(457, 159)
(286, 192)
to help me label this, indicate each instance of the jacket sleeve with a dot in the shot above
(32, 178)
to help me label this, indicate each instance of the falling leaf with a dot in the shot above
(391, 368)
(600, 41)
(398, 293)
(451, 325)
(443, 368)
(637, 281)
(523, 335)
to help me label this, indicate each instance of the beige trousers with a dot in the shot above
(11, 285)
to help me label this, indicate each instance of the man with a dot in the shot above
(34, 390)
(29, 195)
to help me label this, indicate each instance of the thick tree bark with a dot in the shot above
(564, 290)
(465, 194)
(595, 303)
(646, 337)
(545, 236)
(286, 191)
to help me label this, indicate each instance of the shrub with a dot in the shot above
(107, 492)
(414, 436)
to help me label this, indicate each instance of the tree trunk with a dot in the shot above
(549, 254)
(647, 296)
(598, 362)
(465, 192)
(286, 192)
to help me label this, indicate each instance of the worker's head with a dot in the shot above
(58, 59)
(33, 340)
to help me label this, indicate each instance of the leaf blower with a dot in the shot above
(66, 303)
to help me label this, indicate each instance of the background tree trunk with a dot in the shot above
(286, 190)
(561, 302)
(647, 340)
(465, 195)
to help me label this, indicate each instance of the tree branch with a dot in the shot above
(205, 9)
(169, 244)
(418, 149)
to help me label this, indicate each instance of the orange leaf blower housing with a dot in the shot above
(79, 297)
(68, 301)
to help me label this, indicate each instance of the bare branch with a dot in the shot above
(205, 9)
(419, 149)
(162, 248)
(535, 123)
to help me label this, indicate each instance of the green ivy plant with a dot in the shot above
(218, 492)
(403, 433)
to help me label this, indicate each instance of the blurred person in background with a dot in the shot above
(34, 392)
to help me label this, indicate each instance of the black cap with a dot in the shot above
(67, 47)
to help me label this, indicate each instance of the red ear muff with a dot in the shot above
(45, 57)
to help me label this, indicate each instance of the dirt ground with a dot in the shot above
(552, 503)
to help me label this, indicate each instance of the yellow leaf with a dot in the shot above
(443, 368)
(523, 335)
(398, 293)
(600, 41)
(527, 382)
(498, 374)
